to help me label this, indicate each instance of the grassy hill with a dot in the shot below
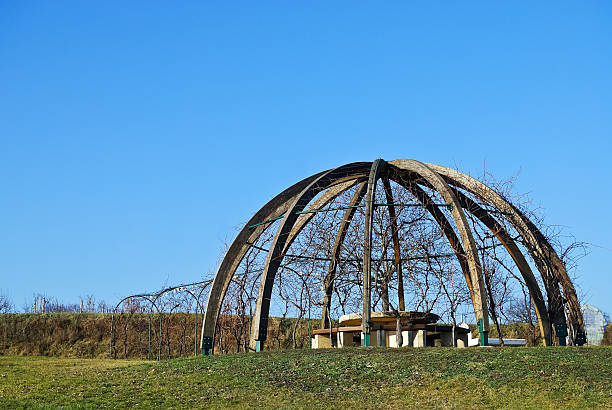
(87, 335)
(357, 377)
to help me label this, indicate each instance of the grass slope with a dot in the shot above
(357, 377)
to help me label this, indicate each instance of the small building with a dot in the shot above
(419, 329)
(594, 324)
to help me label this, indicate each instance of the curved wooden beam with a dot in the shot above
(377, 168)
(338, 189)
(259, 324)
(328, 283)
(479, 297)
(396, 245)
(238, 250)
(506, 240)
(239, 247)
(443, 223)
(548, 262)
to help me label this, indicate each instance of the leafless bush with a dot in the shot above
(6, 305)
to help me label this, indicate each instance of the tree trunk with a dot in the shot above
(399, 338)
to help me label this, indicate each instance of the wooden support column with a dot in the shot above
(259, 324)
(375, 171)
(506, 240)
(548, 262)
(479, 296)
(328, 283)
(396, 245)
(239, 247)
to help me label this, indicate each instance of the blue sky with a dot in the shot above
(135, 136)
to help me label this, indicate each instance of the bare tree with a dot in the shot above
(6, 305)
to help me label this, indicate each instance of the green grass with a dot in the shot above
(354, 377)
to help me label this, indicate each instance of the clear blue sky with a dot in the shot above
(134, 136)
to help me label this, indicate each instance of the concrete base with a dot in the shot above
(345, 339)
(446, 339)
(373, 339)
(392, 340)
(410, 334)
(462, 340)
(381, 339)
(441, 336)
(321, 342)
(420, 338)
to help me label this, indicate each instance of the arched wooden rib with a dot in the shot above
(259, 324)
(377, 168)
(442, 222)
(396, 245)
(328, 283)
(240, 246)
(338, 189)
(445, 226)
(237, 250)
(437, 182)
(548, 262)
(506, 240)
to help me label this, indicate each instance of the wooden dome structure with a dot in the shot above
(558, 314)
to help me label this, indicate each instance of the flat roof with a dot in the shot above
(354, 319)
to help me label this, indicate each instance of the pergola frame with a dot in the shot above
(289, 207)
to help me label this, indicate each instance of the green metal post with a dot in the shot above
(207, 346)
(258, 345)
(161, 336)
(581, 339)
(484, 335)
(149, 351)
(366, 339)
(561, 331)
(309, 333)
(195, 334)
(111, 335)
